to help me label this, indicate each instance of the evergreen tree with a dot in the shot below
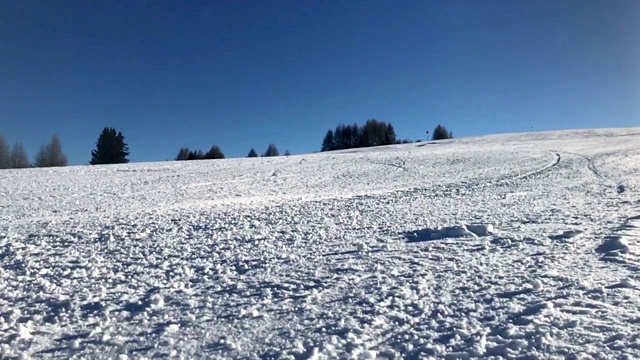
(42, 157)
(51, 155)
(214, 153)
(390, 135)
(5, 154)
(110, 148)
(272, 150)
(355, 137)
(183, 154)
(327, 142)
(338, 138)
(450, 134)
(287, 153)
(19, 158)
(440, 133)
(252, 153)
(196, 155)
(373, 133)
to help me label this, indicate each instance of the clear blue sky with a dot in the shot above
(242, 74)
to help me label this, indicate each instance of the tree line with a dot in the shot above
(49, 155)
(111, 147)
(216, 153)
(372, 133)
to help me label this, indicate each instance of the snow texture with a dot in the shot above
(505, 246)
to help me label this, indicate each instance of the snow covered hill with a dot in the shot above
(513, 246)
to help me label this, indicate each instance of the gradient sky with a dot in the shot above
(243, 74)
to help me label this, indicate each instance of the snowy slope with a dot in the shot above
(520, 245)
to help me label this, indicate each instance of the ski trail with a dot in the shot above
(556, 160)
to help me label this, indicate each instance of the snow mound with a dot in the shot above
(537, 285)
(569, 234)
(613, 244)
(446, 232)
(157, 301)
(481, 229)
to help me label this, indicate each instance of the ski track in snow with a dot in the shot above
(506, 246)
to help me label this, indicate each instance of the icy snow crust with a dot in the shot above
(513, 246)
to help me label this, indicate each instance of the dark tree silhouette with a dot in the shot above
(252, 153)
(5, 154)
(272, 150)
(440, 133)
(19, 158)
(214, 153)
(373, 133)
(390, 135)
(110, 148)
(287, 153)
(51, 155)
(183, 154)
(196, 155)
(327, 142)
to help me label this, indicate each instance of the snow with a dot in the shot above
(537, 285)
(513, 246)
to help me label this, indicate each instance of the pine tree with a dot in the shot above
(287, 153)
(373, 133)
(390, 135)
(110, 148)
(19, 158)
(327, 142)
(5, 154)
(183, 154)
(252, 153)
(339, 138)
(51, 155)
(376, 133)
(440, 133)
(355, 137)
(272, 150)
(196, 155)
(214, 153)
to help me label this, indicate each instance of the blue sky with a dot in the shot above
(243, 74)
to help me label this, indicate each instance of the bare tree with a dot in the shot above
(51, 155)
(5, 154)
(19, 158)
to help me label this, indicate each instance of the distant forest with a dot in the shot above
(372, 133)
(49, 155)
(112, 149)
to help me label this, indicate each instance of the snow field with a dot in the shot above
(504, 246)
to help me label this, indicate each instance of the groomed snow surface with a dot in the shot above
(512, 246)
